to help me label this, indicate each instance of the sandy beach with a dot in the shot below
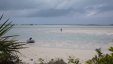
(48, 53)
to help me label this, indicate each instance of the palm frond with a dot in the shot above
(8, 47)
(1, 17)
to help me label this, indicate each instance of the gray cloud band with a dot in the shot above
(43, 9)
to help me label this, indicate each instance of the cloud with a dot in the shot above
(54, 8)
(19, 4)
(51, 12)
(78, 10)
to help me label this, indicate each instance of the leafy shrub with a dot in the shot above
(73, 60)
(58, 61)
(52, 61)
(101, 58)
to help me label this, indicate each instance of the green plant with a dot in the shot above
(101, 58)
(58, 61)
(52, 61)
(41, 61)
(72, 60)
(8, 47)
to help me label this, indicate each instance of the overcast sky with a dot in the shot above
(58, 11)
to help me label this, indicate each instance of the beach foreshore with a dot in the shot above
(53, 53)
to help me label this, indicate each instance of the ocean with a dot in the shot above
(71, 37)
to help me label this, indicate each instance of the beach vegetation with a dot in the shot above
(73, 60)
(9, 48)
(52, 61)
(102, 58)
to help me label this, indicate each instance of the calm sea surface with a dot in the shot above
(71, 36)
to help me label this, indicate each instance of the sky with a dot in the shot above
(58, 11)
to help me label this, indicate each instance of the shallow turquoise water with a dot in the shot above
(74, 37)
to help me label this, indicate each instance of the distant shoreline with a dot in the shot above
(71, 24)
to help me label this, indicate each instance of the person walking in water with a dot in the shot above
(61, 29)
